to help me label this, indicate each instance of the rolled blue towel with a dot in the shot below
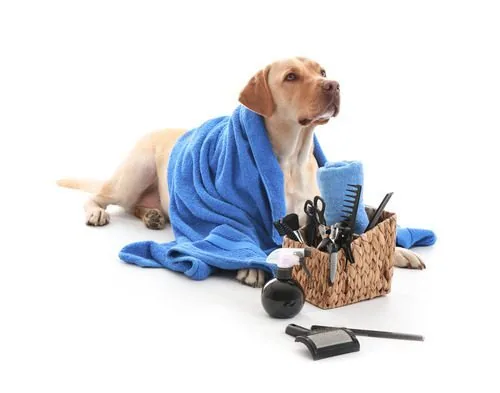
(333, 179)
(413, 237)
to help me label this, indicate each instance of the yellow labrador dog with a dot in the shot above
(293, 95)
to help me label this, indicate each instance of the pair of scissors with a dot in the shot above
(315, 211)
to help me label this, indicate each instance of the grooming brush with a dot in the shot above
(324, 343)
(283, 229)
(378, 212)
(371, 333)
(292, 221)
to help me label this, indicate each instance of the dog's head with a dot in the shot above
(294, 89)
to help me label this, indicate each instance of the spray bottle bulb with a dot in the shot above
(286, 258)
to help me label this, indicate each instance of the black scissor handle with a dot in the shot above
(309, 208)
(320, 209)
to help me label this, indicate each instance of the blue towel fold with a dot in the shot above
(226, 189)
(333, 179)
(414, 237)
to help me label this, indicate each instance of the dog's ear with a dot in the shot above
(256, 95)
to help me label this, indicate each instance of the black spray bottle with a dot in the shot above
(282, 296)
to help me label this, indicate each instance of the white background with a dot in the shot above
(80, 81)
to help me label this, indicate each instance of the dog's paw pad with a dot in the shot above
(408, 259)
(154, 219)
(252, 277)
(97, 217)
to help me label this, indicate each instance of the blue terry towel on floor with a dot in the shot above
(226, 190)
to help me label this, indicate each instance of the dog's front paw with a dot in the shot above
(407, 258)
(97, 217)
(252, 277)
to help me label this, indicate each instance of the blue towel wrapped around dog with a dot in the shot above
(226, 189)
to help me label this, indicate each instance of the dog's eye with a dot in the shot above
(291, 76)
(323, 73)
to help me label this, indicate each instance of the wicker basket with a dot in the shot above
(369, 277)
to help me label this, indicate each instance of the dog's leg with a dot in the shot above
(152, 218)
(408, 258)
(149, 209)
(95, 210)
(127, 185)
(95, 207)
(252, 277)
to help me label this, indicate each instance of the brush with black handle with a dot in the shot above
(296, 330)
(378, 212)
(374, 333)
(289, 225)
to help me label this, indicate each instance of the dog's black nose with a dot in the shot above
(331, 86)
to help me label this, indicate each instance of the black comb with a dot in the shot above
(348, 221)
(351, 204)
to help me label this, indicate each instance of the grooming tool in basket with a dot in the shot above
(324, 244)
(292, 221)
(374, 333)
(324, 231)
(344, 241)
(284, 229)
(333, 250)
(351, 204)
(318, 207)
(378, 212)
(315, 211)
(327, 238)
(326, 342)
(310, 231)
(330, 245)
(346, 226)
